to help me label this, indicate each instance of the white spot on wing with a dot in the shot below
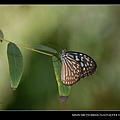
(87, 63)
(90, 64)
(83, 68)
(82, 64)
(87, 59)
(81, 58)
(85, 56)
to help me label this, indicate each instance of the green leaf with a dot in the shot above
(64, 91)
(15, 61)
(1, 35)
(45, 49)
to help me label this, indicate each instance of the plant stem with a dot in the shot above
(32, 49)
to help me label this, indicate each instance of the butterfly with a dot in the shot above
(76, 65)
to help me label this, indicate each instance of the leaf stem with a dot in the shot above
(32, 49)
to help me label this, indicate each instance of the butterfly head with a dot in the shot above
(63, 53)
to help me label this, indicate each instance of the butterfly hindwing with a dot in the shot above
(70, 71)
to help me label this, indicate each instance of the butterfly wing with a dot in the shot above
(75, 66)
(88, 65)
(70, 71)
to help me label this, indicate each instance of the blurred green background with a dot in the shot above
(91, 29)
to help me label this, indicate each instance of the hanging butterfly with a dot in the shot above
(76, 65)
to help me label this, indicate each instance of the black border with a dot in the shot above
(60, 2)
(60, 114)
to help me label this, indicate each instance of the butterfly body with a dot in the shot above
(76, 65)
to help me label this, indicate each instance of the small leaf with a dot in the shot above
(15, 61)
(1, 35)
(64, 91)
(45, 49)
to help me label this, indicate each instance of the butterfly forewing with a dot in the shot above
(76, 65)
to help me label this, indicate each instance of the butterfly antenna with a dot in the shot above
(56, 44)
(57, 52)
